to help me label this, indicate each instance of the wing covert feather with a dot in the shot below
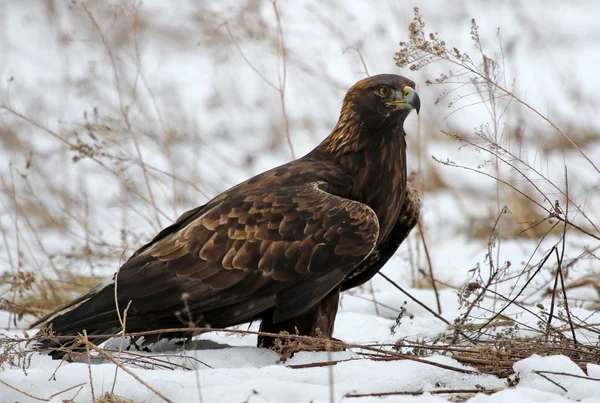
(289, 224)
(263, 241)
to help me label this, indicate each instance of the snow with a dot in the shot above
(194, 87)
(569, 386)
(235, 374)
(241, 372)
(224, 367)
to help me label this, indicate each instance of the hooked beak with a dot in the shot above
(410, 100)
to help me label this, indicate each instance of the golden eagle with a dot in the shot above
(279, 247)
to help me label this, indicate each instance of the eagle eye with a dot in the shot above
(384, 91)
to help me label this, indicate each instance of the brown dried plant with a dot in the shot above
(551, 209)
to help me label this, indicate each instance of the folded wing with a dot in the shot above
(233, 259)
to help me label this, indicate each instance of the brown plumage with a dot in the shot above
(279, 247)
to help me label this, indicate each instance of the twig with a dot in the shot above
(135, 358)
(551, 313)
(66, 390)
(374, 299)
(89, 360)
(375, 302)
(330, 375)
(248, 62)
(431, 311)
(423, 361)
(282, 80)
(562, 255)
(23, 393)
(123, 327)
(523, 307)
(387, 354)
(421, 392)
(125, 112)
(550, 380)
(562, 283)
(436, 49)
(124, 368)
(168, 148)
(494, 273)
(426, 249)
(495, 152)
(544, 260)
(319, 364)
(18, 240)
(589, 378)
(73, 146)
(360, 55)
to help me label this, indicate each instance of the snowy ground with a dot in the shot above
(181, 104)
(232, 370)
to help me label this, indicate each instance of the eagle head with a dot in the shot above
(383, 97)
(373, 107)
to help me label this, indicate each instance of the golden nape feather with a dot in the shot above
(279, 247)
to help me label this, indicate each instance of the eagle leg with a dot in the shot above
(317, 322)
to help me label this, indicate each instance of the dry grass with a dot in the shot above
(523, 220)
(529, 204)
(288, 346)
(39, 297)
(112, 398)
(499, 356)
(584, 137)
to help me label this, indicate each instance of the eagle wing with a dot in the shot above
(286, 247)
(406, 221)
(234, 258)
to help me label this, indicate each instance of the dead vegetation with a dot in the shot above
(499, 356)
(112, 398)
(40, 298)
(537, 208)
(287, 347)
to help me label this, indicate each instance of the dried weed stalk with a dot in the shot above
(489, 339)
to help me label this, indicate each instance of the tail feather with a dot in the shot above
(58, 348)
(94, 311)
